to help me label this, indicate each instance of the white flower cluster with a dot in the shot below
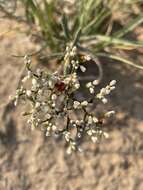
(92, 119)
(70, 52)
(72, 80)
(79, 105)
(95, 135)
(50, 128)
(52, 98)
(105, 91)
(91, 86)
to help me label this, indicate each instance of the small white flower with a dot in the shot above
(73, 144)
(39, 120)
(80, 150)
(95, 120)
(28, 121)
(82, 68)
(74, 125)
(40, 92)
(84, 103)
(29, 74)
(28, 92)
(104, 100)
(53, 105)
(27, 60)
(106, 135)
(72, 54)
(81, 121)
(74, 49)
(112, 87)
(89, 84)
(87, 57)
(54, 127)
(94, 139)
(24, 79)
(16, 102)
(100, 132)
(67, 136)
(77, 85)
(67, 80)
(67, 48)
(99, 96)
(108, 91)
(89, 132)
(49, 128)
(54, 97)
(69, 150)
(93, 131)
(77, 122)
(76, 104)
(38, 72)
(90, 120)
(91, 90)
(71, 121)
(73, 62)
(47, 133)
(48, 116)
(79, 135)
(37, 105)
(103, 91)
(113, 82)
(34, 82)
(95, 82)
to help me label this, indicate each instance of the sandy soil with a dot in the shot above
(29, 161)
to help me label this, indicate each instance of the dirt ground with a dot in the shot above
(30, 161)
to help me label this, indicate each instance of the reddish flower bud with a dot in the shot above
(60, 86)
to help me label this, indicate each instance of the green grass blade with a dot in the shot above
(117, 58)
(65, 27)
(100, 21)
(89, 26)
(112, 41)
(77, 36)
(131, 26)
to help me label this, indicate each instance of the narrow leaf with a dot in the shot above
(65, 27)
(131, 26)
(77, 36)
(123, 60)
(113, 41)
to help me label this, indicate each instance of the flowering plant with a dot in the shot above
(52, 98)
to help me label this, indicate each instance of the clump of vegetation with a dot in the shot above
(52, 97)
(86, 29)
(101, 32)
